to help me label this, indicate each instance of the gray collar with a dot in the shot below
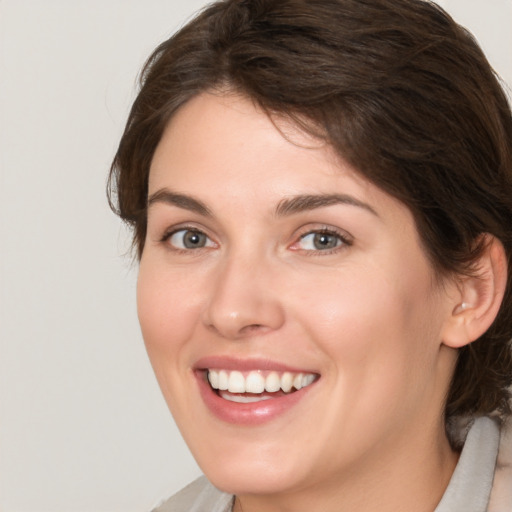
(470, 486)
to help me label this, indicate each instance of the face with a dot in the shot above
(290, 314)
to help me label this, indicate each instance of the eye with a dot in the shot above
(323, 240)
(188, 239)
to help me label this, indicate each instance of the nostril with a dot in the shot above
(252, 328)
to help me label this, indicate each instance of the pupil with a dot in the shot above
(324, 241)
(193, 239)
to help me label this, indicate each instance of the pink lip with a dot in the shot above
(245, 365)
(251, 414)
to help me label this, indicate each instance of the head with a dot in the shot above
(397, 91)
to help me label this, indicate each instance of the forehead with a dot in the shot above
(225, 151)
(223, 134)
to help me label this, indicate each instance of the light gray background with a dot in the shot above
(82, 424)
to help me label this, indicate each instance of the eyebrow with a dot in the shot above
(301, 203)
(180, 200)
(286, 207)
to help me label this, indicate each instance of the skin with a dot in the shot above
(369, 316)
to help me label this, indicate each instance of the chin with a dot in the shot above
(252, 468)
(260, 478)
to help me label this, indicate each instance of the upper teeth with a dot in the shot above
(256, 382)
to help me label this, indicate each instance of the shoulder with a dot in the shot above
(198, 496)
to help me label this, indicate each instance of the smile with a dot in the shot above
(252, 392)
(256, 385)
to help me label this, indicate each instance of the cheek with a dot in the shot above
(379, 347)
(168, 314)
(165, 306)
(376, 324)
(352, 310)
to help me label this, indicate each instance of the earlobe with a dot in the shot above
(479, 298)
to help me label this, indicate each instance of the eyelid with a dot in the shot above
(346, 239)
(180, 226)
(168, 234)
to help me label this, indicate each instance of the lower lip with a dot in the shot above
(254, 413)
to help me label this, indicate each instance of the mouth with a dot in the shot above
(257, 385)
(252, 392)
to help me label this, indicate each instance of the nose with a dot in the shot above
(243, 300)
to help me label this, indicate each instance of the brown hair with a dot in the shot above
(402, 92)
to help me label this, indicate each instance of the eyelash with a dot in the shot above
(344, 239)
(190, 229)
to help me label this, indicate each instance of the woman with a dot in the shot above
(320, 192)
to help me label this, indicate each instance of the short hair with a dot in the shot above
(398, 89)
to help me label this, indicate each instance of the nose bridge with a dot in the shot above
(242, 298)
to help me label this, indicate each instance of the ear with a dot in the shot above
(479, 297)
